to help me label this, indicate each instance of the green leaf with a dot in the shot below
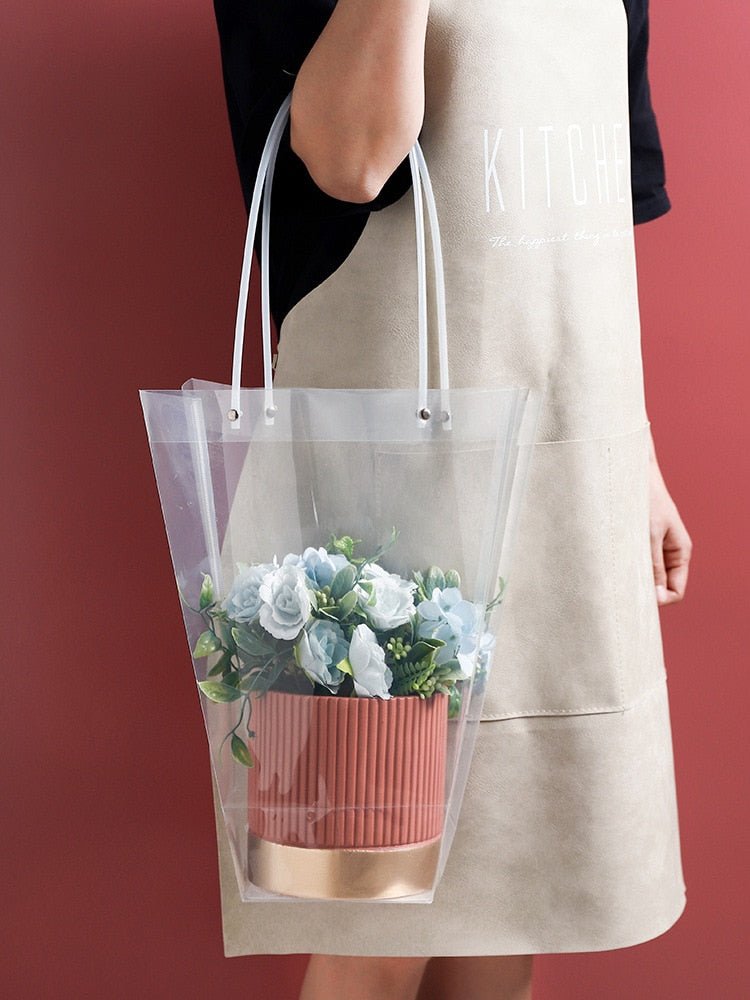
(434, 579)
(207, 643)
(207, 592)
(343, 581)
(454, 702)
(240, 752)
(250, 682)
(452, 579)
(219, 691)
(347, 603)
(345, 666)
(424, 648)
(449, 676)
(261, 680)
(345, 544)
(222, 664)
(223, 628)
(251, 643)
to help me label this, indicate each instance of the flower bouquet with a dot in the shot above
(348, 674)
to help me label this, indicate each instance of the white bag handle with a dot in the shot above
(263, 181)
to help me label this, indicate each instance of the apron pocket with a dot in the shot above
(578, 631)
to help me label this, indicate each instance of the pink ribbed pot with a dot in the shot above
(346, 777)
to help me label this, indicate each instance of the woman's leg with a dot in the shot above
(493, 977)
(355, 977)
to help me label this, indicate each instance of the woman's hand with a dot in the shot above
(671, 546)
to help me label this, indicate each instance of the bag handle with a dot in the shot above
(263, 181)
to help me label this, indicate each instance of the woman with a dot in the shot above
(568, 838)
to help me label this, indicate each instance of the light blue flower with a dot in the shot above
(286, 602)
(243, 601)
(484, 655)
(449, 617)
(319, 648)
(372, 676)
(385, 598)
(320, 565)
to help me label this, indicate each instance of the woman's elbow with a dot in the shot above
(349, 175)
(345, 179)
(355, 183)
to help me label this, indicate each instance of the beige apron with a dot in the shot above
(568, 838)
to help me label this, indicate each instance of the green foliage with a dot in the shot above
(249, 661)
(425, 649)
(499, 595)
(343, 581)
(208, 642)
(240, 752)
(219, 691)
(434, 577)
(407, 674)
(347, 604)
(206, 597)
(250, 645)
(454, 702)
(344, 545)
(222, 666)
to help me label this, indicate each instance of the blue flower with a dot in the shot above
(320, 565)
(449, 617)
(243, 601)
(286, 602)
(484, 655)
(319, 648)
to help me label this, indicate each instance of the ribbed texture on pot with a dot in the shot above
(347, 772)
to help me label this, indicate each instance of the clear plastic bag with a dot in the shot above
(337, 554)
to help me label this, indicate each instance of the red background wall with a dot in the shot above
(122, 227)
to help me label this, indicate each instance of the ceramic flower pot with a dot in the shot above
(346, 799)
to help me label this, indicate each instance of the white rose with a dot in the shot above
(286, 601)
(372, 677)
(392, 597)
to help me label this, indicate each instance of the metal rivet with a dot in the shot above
(445, 415)
(271, 411)
(424, 413)
(233, 415)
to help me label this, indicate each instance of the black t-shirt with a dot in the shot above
(263, 45)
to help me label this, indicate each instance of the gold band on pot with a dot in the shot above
(342, 872)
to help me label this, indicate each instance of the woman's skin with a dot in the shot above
(358, 100)
(671, 545)
(357, 108)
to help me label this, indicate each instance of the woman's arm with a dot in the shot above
(358, 100)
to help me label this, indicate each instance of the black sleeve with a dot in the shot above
(262, 47)
(650, 199)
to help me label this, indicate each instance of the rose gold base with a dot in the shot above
(342, 872)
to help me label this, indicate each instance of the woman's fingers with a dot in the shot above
(677, 548)
(671, 546)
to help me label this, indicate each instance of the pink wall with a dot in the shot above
(121, 227)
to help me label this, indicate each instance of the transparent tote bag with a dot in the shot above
(337, 554)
